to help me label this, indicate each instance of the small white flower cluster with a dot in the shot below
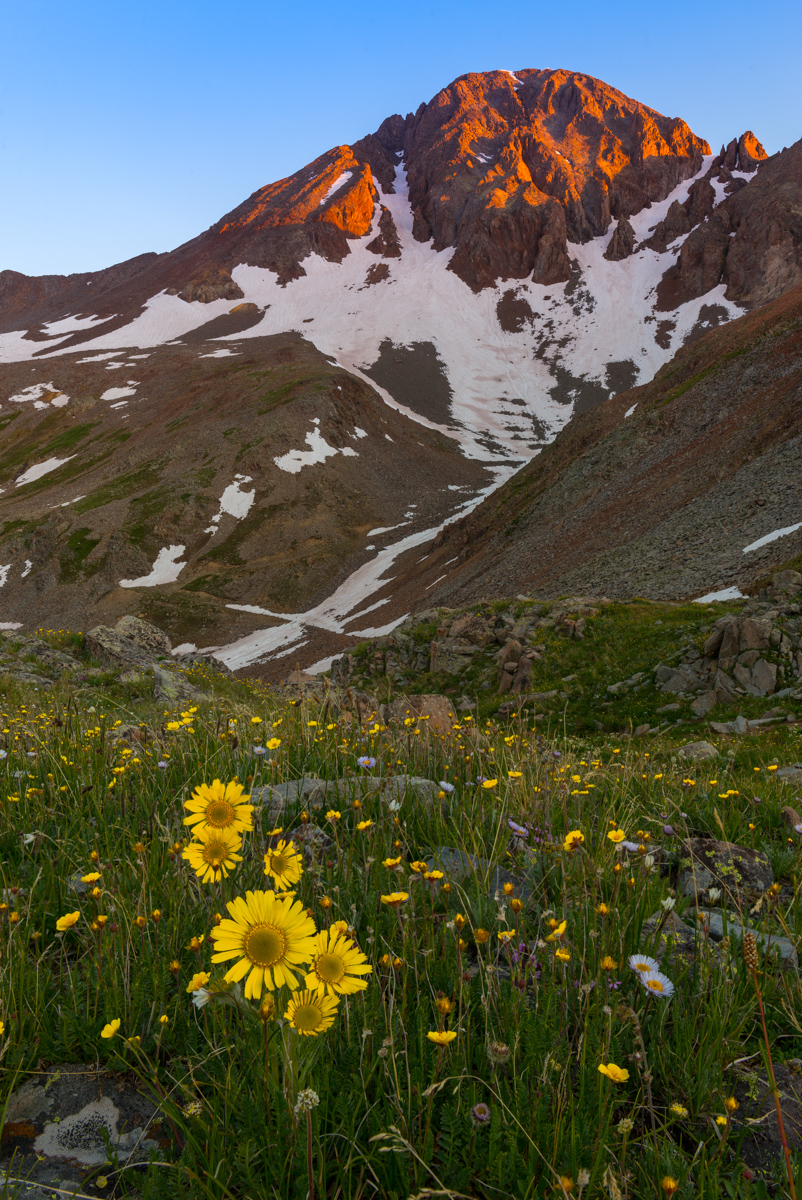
(306, 1101)
(650, 975)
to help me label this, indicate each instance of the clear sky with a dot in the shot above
(133, 125)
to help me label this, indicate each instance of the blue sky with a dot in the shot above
(128, 127)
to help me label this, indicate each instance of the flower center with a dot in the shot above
(329, 968)
(265, 945)
(642, 967)
(307, 1017)
(214, 853)
(278, 864)
(655, 985)
(220, 814)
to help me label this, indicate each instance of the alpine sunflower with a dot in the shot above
(311, 1013)
(219, 806)
(214, 854)
(336, 965)
(270, 938)
(284, 864)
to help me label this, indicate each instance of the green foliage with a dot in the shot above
(396, 1113)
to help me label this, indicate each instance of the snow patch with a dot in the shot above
(319, 450)
(730, 593)
(117, 393)
(9, 624)
(338, 182)
(772, 537)
(35, 393)
(220, 354)
(630, 411)
(4, 574)
(28, 568)
(42, 468)
(166, 569)
(234, 501)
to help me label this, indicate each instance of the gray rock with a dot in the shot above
(670, 708)
(112, 648)
(739, 725)
(703, 704)
(695, 751)
(764, 677)
(739, 871)
(171, 686)
(460, 866)
(768, 942)
(677, 942)
(792, 774)
(146, 637)
(754, 634)
(724, 686)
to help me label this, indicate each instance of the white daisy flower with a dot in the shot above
(643, 964)
(658, 984)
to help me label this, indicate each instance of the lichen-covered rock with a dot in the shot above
(739, 871)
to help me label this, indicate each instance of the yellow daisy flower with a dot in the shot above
(67, 921)
(219, 806)
(284, 864)
(270, 938)
(311, 1013)
(214, 854)
(336, 965)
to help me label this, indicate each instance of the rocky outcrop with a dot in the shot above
(752, 242)
(622, 243)
(507, 169)
(212, 284)
(386, 243)
(742, 154)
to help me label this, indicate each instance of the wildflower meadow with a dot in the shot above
(476, 996)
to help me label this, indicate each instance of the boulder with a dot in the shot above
(146, 637)
(792, 774)
(767, 943)
(436, 711)
(703, 704)
(511, 653)
(787, 581)
(755, 634)
(114, 649)
(676, 942)
(65, 1114)
(696, 751)
(738, 871)
(171, 686)
(473, 628)
(451, 656)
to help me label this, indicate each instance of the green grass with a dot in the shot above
(530, 1029)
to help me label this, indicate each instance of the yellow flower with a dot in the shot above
(391, 862)
(515, 774)
(489, 783)
(395, 898)
(273, 743)
(573, 840)
(214, 854)
(506, 935)
(164, 1019)
(109, 1031)
(418, 867)
(270, 938)
(614, 1073)
(669, 1184)
(558, 932)
(198, 980)
(721, 1120)
(363, 825)
(562, 955)
(336, 965)
(608, 963)
(616, 835)
(219, 806)
(731, 1104)
(310, 1013)
(481, 935)
(333, 815)
(444, 1005)
(284, 864)
(603, 909)
(92, 877)
(679, 1110)
(67, 921)
(441, 1037)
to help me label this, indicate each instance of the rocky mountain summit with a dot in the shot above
(241, 437)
